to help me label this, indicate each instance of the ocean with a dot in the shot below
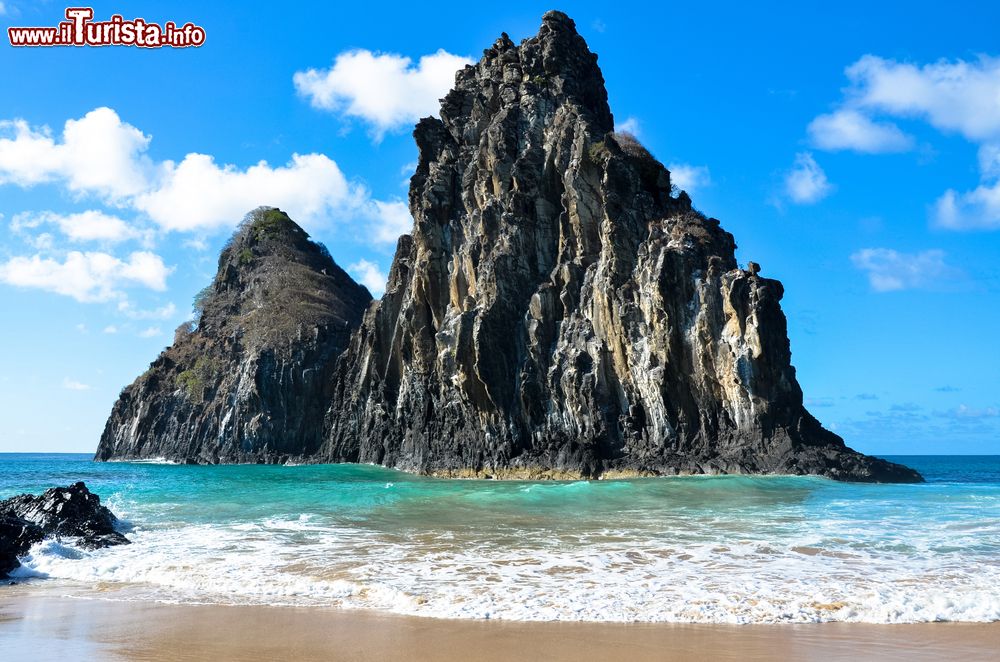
(703, 549)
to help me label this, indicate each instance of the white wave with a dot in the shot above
(831, 570)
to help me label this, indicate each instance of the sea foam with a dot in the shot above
(696, 550)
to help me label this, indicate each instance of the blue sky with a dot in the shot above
(853, 151)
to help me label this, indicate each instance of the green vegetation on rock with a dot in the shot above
(194, 380)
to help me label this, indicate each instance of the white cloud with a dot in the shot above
(964, 411)
(91, 225)
(98, 154)
(689, 177)
(87, 277)
(989, 160)
(392, 219)
(150, 332)
(111, 329)
(73, 385)
(407, 172)
(806, 182)
(978, 209)
(198, 194)
(951, 96)
(889, 270)
(384, 89)
(42, 242)
(102, 156)
(369, 275)
(629, 125)
(162, 313)
(848, 128)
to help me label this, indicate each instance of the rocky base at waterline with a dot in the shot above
(559, 310)
(61, 512)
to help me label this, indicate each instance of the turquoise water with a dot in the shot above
(731, 549)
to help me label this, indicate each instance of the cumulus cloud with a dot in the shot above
(392, 219)
(806, 182)
(850, 129)
(111, 329)
(978, 209)
(101, 156)
(198, 194)
(689, 177)
(97, 154)
(889, 270)
(90, 225)
(87, 277)
(952, 96)
(150, 332)
(386, 90)
(958, 96)
(370, 275)
(73, 385)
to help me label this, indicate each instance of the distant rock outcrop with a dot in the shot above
(61, 512)
(559, 310)
(251, 381)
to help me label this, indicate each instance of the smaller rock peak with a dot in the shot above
(268, 232)
(268, 223)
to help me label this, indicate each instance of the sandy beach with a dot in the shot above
(38, 623)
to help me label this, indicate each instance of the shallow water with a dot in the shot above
(726, 549)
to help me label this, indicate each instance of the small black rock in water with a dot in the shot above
(72, 511)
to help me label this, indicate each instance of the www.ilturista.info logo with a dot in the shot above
(81, 30)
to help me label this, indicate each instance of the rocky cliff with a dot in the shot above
(251, 381)
(559, 310)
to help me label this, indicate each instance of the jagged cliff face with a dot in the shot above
(558, 311)
(252, 381)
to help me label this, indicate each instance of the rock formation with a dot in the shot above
(61, 512)
(252, 380)
(559, 310)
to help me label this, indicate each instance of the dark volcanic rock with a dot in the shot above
(559, 310)
(72, 511)
(252, 381)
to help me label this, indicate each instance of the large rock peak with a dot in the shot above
(551, 72)
(560, 310)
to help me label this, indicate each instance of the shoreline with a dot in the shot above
(539, 473)
(38, 622)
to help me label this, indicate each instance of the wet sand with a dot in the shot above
(39, 624)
